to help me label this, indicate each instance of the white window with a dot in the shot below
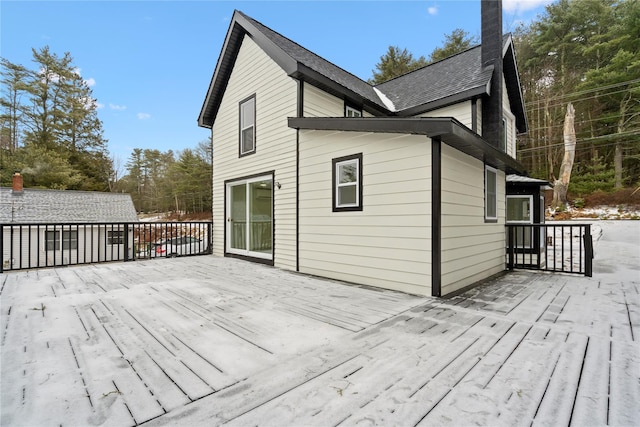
(347, 183)
(69, 240)
(352, 112)
(490, 194)
(248, 126)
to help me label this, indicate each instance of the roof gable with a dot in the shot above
(65, 206)
(455, 79)
(295, 60)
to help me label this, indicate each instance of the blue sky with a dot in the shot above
(149, 63)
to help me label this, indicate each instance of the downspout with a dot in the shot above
(436, 217)
(300, 113)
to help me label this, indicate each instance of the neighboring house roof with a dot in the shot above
(64, 206)
(442, 83)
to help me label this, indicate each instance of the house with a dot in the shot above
(400, 185)
(54, 227)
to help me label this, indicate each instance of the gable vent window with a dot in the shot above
(352, 112)
(490, 194)
(347, 183)
(248, 126)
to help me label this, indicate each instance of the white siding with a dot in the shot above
(318, 103)
(479, 116)
(388, 243)
(276, 97)
(25, 247)
(472, 250)
(461, 111)
(510, 121)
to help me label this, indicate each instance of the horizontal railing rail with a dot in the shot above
(40, 245)
(565, 248)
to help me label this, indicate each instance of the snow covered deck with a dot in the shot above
(207, 341)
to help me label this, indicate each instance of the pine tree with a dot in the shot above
(394, 63)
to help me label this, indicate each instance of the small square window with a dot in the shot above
(490, 194)
(347, 183)
(248, 126)
(115, 237)
(352, 112)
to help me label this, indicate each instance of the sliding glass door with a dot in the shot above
(249, 214)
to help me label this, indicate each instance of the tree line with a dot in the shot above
(586, 53)
(49, 126)
(583, 52)
(50, 132)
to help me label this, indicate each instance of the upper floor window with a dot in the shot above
(352, 111)
(490, 194)
(248, 126)
(347, 183)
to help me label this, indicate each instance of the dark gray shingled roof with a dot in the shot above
(448, 81)
(318, 64)
(443, 82)
(62, 207)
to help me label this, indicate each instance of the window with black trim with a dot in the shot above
(350, 111)
(248, 126)
(490, 194)
(347, 183)
(115, 237)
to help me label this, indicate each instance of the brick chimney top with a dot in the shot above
(17, 182)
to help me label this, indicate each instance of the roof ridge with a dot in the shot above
(312, 53)
(302, 47)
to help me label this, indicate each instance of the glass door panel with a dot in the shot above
(260, 216)
(250, 217)
(238, 217)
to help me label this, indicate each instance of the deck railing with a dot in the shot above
(565, 248)
(33, 245)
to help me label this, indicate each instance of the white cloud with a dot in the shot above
(117, 107)
(144, 116)
(99, 105)
(90, 82)
(433, 10)
(520, 6)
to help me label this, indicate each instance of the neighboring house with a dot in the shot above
(400, 185)
(54, 227)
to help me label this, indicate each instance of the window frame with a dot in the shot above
(335, 183)
(350, 108)
(66, 241)
(115, 237)
(487, 217)
(241, 128)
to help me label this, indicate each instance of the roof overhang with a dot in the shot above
(448, 129)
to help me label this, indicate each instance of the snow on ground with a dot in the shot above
(207, 341)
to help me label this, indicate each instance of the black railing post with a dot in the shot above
(125, 230)
(2, 247)
(510, 247)
(588, 251)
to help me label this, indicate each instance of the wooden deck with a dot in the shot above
(210, 341)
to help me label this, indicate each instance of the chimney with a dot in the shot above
(491, 48)
(17, 182)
